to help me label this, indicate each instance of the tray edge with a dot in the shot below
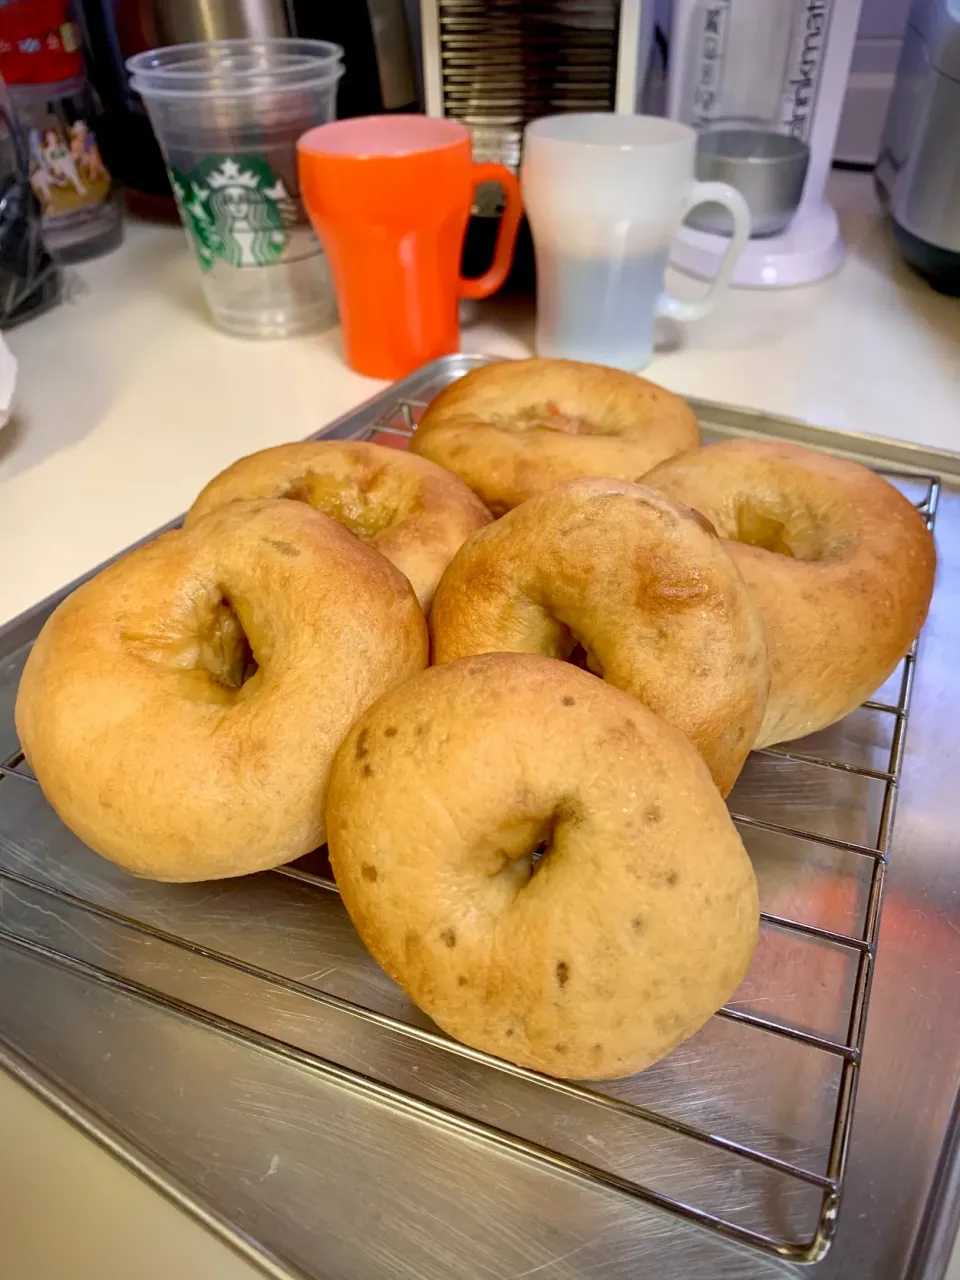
(141, 1164)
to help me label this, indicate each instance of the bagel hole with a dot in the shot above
(536, 855)
(535, 844)
(525, 867)
(584, 659)
(521, 848)
(362, 508)
(578, 656)
(550, 416)
(795, 534)
(225, 652)
(757, 529)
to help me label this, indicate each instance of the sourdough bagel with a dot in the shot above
(517, 427)
(636, 924)
(840, 565)
(181, 710)
(409, 509)
(642, 585)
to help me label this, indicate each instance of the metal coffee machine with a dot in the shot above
(918, 173)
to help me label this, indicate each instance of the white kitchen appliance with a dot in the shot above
(775, 66)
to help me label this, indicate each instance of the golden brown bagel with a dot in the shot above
(515, 428)
(412, 511)
(641, 584)
(182, 709)
(637, 923)
(839, 563)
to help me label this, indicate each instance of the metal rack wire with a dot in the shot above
(830, 1182)
(846, 1051)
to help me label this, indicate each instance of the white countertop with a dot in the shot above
(128, 401)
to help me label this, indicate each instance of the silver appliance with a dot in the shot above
(182, 21)
(918, 173)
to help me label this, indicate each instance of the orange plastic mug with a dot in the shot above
(389, 197)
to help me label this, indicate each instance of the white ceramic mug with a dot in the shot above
(604, 195)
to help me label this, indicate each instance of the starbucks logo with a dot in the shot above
(235, 209)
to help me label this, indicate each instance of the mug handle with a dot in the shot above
(496, 273)
(734, 203)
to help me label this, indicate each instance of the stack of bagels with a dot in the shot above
(530, 834)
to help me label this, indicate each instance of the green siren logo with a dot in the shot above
(235, 209)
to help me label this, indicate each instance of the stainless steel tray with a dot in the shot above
(234, 1042)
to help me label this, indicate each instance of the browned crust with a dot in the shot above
(642, 584)
(839, 616)
(129, 709)
(518, 427)
(637, 925)
(412, 511)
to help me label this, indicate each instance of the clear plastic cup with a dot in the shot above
(227, 115)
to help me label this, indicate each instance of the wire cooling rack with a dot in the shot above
(616, 1105)
(400, 425)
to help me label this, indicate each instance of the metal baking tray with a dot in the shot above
(236, 1045)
